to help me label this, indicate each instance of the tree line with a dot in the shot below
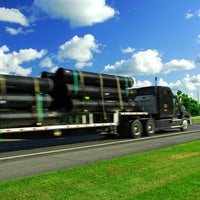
(190, 104)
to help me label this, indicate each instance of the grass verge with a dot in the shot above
(196, 119)
(171, 173)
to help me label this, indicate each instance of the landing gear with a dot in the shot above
(123, 129)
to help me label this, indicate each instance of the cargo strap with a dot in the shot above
(126, 86)
(75, 82)
(3, 89)
(82, 81)
(3, 85)
(102, 97)
(39, 102)
(119, 93)
(82, 84)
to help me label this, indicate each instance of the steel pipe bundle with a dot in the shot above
(93, 92)
(16, 118)
(9, 83)
(24, 101)
(76, 91)
(89, 78)
(75, 105)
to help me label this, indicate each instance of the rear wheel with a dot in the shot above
(149, 127)
(136, 129)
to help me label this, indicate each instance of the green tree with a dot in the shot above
(190, 104)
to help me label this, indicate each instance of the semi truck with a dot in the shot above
(70, 99)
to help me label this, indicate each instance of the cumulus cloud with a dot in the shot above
(143, 62)
(80, 50)
(13, 15)
(145, 83)
(189, 84)
(79, 13)
(11, 62)
(175, 65)
(148, 62)
(47, 62)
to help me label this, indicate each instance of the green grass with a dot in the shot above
(196, 119)
(171, 173)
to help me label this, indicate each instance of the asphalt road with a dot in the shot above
(45, 155)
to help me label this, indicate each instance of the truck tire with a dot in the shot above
(184, 125)
(149, 127)
(136, 129)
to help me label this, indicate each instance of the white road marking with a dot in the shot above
(94, 145)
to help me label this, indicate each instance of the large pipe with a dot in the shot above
(45, 74)
(89, 78)
(92, 92)
(9, 83)
(23, 118)
(24, 100)
(75, 105)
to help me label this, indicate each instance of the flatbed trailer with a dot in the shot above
(71, 99)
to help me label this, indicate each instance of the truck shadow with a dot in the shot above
(32, 140)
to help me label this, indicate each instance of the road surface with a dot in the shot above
(41, 158)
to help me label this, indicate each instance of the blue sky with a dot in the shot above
(143, 39)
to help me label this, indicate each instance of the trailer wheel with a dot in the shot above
(184, 125)
(136, 129)
(149, 127)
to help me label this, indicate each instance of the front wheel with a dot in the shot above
(184, 125)
(136, 129)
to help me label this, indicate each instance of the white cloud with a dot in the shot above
(189, 15)
(47, 62)
(145, 83)
(198, 12)
(13, 15)
(17, 31)
(11, 63)
(79, 13)
(189, 85)
(148, 62)
(175, 65)
(13, 31)
(80, 50)
(128, 50)
(143, 62)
